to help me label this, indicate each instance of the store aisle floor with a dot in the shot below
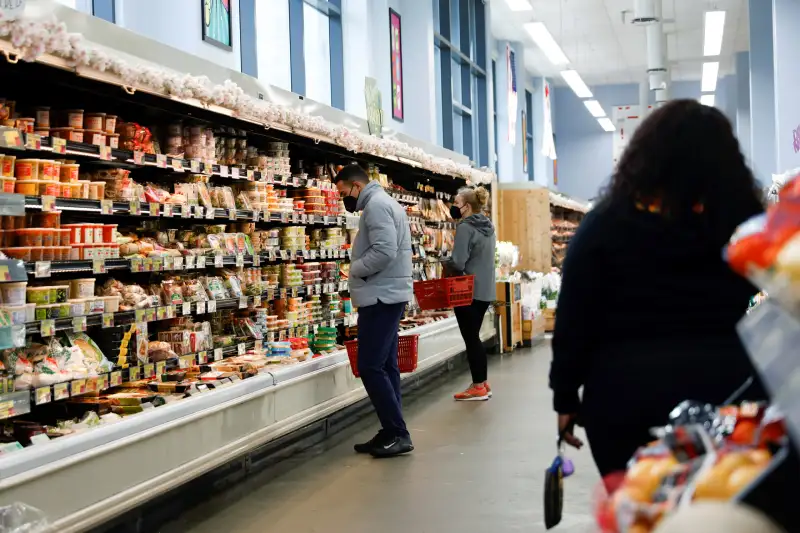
(478, 466)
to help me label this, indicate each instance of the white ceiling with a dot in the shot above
(604, 50)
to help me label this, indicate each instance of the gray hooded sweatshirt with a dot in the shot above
(473, 253)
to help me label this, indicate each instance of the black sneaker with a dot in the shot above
(392, 448)
(378, 440)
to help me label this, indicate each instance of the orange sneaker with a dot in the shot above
(488, 388)
(475, 393)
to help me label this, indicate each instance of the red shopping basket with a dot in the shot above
(444, 293)
(406, 353)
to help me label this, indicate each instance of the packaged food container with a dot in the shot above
(96, 137)
(84, 190)
(70, 134)
(48, 253)
(6, 238)
(110, 124)
(101, 189)
(96, 305)
(42, 132)
(75, 118)
(8, 166)
(109, 230)
(59, 293)
(36, 253)
(42, 117)
(97, 233)
(37, 295)
(94, 121)
(94, 190)
(111, 303)
(48, 237)
(46, 168)
(23, 253)
(50, 219)
(74, 253)
(82, 288)
(26, 124)
(70, 172)
(113, 139)
(62, 236)
(78, 307)
(13, 293)
(26, 169)
(7, 185)
(64, 253)
(22, 313)
(29, 237)
(76, 233)
(27, 187)
(50, 188)
(113, 250)
(42, 312)
(65, 190)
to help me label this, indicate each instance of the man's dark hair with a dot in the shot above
(352, 173)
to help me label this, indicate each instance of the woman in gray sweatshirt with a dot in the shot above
(473, 253)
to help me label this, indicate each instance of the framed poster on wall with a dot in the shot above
(395, 41)
(217, 23)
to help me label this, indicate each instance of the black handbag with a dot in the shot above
(554, 486)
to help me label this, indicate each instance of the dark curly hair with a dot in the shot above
(686, 156)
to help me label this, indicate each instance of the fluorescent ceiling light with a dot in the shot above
(519, 5)
(708, 83)
(707, 99)
(594, 108)
(541, 36)
(575, 83)
(715, 27)
(606, 123)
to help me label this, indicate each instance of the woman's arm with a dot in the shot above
(575, 317)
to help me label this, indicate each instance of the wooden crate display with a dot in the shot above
(524, 219)
(509, 311)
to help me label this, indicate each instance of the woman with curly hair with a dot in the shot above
(648, 308)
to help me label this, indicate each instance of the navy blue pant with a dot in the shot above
(377, 363)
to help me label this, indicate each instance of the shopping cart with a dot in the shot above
(407, 351)
(444, 293)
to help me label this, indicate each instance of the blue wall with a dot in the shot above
(762, 91)
(787, 80)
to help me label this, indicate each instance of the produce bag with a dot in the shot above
(22, 518)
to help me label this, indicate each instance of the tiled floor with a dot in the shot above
(477, 467)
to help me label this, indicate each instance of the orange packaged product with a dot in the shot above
(22, 253)
(48, 253)
(94, 121)
(42, 117)
(108, 232)
(65, 190)
(110, 124)
(50, 220)
(29, 237)
(26, 124)
(36, 253)
(49, 188)
(62, 237)
(75, 118)
(26, 169)
(46, 170)
(8, 166)
(4, 238)
(27, 187)
(97, 137)
(48, 237)
(70, 172)
(7, 185)
(76, 233)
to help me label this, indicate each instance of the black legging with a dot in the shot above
(470, 319)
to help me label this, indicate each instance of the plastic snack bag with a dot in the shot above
(22, 518)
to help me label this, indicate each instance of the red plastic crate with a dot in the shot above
(444, 293)
(407, 352)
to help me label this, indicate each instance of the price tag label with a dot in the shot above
(108, 320)
(243, 302)
(78, 387)
(211, 213)
(138, 158)
(199, 211)
(295, 181)
(194, 165)
(284, 255)
(161, 313)
(102, 382)
(135, 208)
(313, 254)
(223, 171)
(265, 216)
(79, 324)
(191, 262)
(235, 173)
(115, 379)
(33, 141)
(139, 315)
(326, 220)
(161, 366)
(241, 348)
(161, 160)
(294, 292)
(212, 306)
(155, 209)
(150, 314)
(186, 211)
(255, 215)
(284, 217)
(106, 207)
(43, 395)
(231, 214)
(295, 217)
(172, 310)
(318, 289)
(218, 260)
(59, 145)
(148, 264)
(201, 261)
(239, 260)
(186, 309)
(339, 221)
(41, 269)
(312, 183)
(48, 204)
(169, 263)
(256, 260)
(60, 391)
(201, 308)
(202, 357)
(137, 265)
(91, 385)
(158, 264)
(149, 370)
(98, 266)
(177, 165)
(332, 323)
(133, 373)
(217, 354)
(251, 175)
(105, 153)
(257, 300)
(349, 253)
(271, 254)
(47, 328)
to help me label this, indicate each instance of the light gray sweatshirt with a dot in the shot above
(473, 253)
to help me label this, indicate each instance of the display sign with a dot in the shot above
(395, 42)
(374, 107)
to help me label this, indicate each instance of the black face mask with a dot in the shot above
(350, 202)
(455, 212)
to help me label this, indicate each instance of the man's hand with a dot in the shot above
(566, 428)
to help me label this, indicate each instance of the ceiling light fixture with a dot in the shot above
(544, 40)
(575, 83)
(715, 27)
(519, 5)
(606, 123)
(708, 83)
(707, 99)
(594, 108)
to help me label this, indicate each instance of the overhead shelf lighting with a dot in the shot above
(594, 108)
(519, 5)
(544, 40)
(708, 82)
(715, 27)
(606, 124)
(575, 83)
(708, 99)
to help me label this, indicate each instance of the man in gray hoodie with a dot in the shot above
(380, 287)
